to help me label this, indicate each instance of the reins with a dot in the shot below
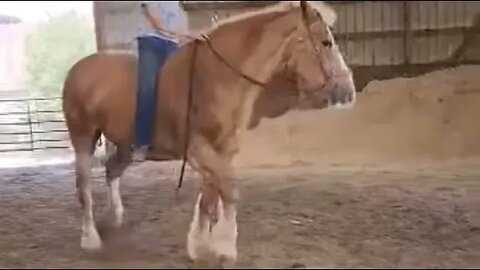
(189, 105)
(190, 96)
(225, 62)
(196, 43)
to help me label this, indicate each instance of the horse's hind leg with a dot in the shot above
(84, 147)
(115, 167)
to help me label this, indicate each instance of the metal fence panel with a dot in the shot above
(29, 124)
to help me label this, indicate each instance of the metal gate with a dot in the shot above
(32, 124)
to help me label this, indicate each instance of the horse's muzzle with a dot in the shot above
(338, 93)
(342, 94)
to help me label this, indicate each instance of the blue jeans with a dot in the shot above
(153, 51)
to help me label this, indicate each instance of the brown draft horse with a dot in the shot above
(287, 40)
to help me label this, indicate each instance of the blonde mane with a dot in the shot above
(327, 13)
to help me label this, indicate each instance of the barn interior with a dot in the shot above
(392, 182)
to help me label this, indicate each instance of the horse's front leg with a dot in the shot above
(225, 233)
(214, 226)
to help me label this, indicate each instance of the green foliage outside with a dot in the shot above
(51, 49)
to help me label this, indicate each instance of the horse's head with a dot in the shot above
(314, 59)
(293, 39)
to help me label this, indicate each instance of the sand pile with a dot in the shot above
(434, 116)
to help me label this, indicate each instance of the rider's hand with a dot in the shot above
(197, 36)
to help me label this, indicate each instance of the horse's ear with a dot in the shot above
(325, 11)
(303, 4)
(307, 10)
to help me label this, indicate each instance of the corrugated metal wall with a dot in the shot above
(377, 33)
(202, 14)
(398, 32)
(380, 39)
(370, 33)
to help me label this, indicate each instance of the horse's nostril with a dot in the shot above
(327, 43)
(350, 97)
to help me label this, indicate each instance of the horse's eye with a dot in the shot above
(327, 43)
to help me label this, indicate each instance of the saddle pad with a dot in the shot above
(153, 51)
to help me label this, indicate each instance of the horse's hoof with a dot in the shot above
(226, 262)
(117, 219)
(202, 263)
(198, 245)
(91, 242)
(198, 252)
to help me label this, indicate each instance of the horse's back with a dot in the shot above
(99, 93)
(98, 75)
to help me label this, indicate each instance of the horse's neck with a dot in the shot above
(265, 60)
(256, 45)
(271, 35)
(259, 46)
(269, 53)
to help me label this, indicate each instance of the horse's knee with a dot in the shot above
(217, 165)
(82, 166)
(229, 192)
(116, 166)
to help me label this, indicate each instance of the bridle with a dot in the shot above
(329, 76)
(317, 52)
(225, 62)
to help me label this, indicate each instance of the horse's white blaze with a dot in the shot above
(224, 233)
(115, 199)
(338, 65)
(337, 61)
(198, 242)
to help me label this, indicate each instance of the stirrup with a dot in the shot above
(139, 153)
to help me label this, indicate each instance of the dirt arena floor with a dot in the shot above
(310, 216)
(394, 182)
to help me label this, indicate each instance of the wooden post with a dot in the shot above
(98, 23)
(407, 30)
(30, 128)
